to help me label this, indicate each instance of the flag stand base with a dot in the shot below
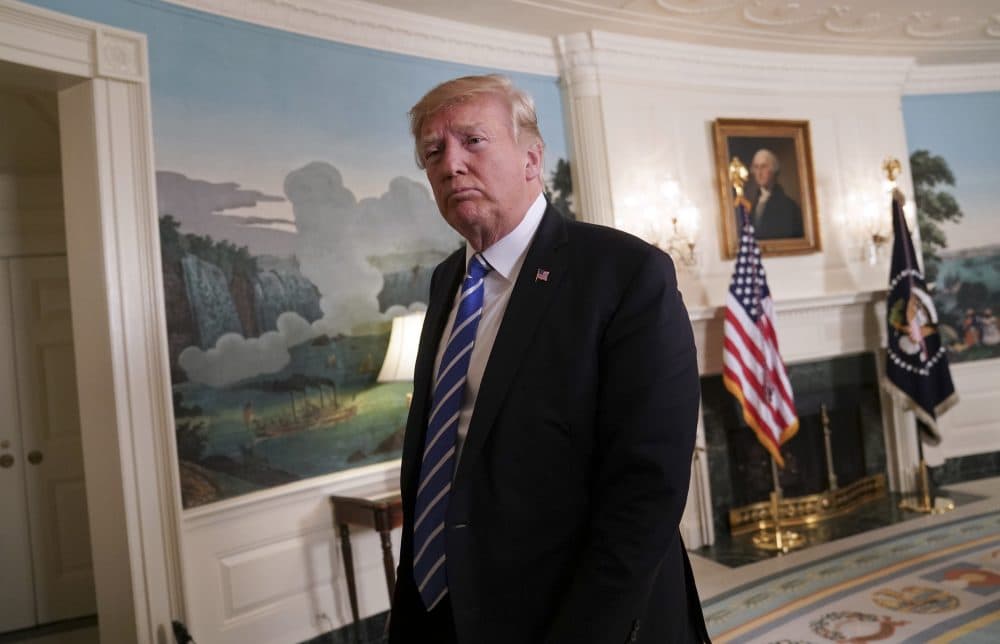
(778, 540)
(923, 502)
(940, 505)
(811, 509)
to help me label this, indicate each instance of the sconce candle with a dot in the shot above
(664, 217)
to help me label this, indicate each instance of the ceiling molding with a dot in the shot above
(692, 9)
(393, 30)
(953, 79)
(679, 64)
(886, 26)
(927, 30)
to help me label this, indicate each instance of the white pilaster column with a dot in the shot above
(591, 179)
(899, 427)
(697, 527)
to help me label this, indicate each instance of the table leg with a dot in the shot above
(345, 548)
(387, 559)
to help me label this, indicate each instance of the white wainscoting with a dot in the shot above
(973, 425)
(267, 567)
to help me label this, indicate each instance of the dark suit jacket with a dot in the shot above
(781, 219)
(562, 522)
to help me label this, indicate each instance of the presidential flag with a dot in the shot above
(752, 368)
(916, 365)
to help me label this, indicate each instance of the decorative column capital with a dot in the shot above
(578, 65)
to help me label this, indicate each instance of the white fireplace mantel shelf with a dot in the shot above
(809, 328)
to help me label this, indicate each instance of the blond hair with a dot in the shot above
(520, 104)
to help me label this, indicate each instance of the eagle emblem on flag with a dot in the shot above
(916, 365)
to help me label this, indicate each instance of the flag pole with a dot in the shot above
(780, 540)
(831, 475)
(923, 502)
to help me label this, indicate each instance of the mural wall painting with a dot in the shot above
(954, 163)
(295, 226)
(276, 336)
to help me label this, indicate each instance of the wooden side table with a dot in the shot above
(379, 508)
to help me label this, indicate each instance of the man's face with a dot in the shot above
(763, 170)
(483, 180)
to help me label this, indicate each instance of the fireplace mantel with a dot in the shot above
(809, 329)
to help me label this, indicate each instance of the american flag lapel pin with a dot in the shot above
(541, 275)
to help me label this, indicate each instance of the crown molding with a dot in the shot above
(834, 26)
(393, 30)
(953, 79)
(668, 63)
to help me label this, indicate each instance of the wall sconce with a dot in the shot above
(663, 216)
(874, 217)
(869, 214)
(875, 225)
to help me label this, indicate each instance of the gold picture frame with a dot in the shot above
(786, 221)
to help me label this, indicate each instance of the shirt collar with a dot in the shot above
(505, 255)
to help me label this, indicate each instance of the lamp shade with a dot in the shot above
(402, 352)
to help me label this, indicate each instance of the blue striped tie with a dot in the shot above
(438, 465)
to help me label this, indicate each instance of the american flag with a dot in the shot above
(752, 368)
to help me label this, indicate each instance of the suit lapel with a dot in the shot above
(532, 294)
(423, 372)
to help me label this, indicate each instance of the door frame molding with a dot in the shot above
(119, 330)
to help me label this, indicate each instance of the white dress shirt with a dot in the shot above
(758, 212)
(506, 257)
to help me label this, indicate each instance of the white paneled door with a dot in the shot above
(50, 459)
(17, 600)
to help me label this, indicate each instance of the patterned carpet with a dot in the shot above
(939, 584)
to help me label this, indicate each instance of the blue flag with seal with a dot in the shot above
(917, 361)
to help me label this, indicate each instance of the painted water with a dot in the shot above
(322, 413)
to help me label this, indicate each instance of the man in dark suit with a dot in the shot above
(548, 448)
(775, 215)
